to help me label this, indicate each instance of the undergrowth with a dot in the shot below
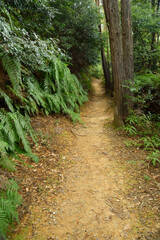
(38, 82)
(146, 132)
(144, 122)
(10, 200)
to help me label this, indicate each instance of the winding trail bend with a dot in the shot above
(98, 199)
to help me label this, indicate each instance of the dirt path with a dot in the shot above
(102, 196)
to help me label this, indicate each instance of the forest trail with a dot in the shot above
(101, 196)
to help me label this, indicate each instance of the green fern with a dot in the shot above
(13, 67)
(48, 84)
(57, 73)
(7, 100)
(4, 223)
(5, 28)
(7, 163)
(13, 131)
(12, 193)
(21, 127)
(34, 90)
(68, 93)
(8, 133)
(9, 201)
(60, 90)
(5, 11)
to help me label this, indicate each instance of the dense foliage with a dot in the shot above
(146, 29)
(76, 26)
(144, 122)
(40, 81)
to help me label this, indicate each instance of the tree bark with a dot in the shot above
(111, 83)
(154, 35)
(105, 64)
(112, 13)
(109, 88)
(127, 41)
(158, 5)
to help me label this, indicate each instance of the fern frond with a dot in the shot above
(7, 100)
(4, 222)
(12, 193)
(20, 131)
(48, 84)
(25, 123)
(9, 209)
(14, 127)
(9, 201)
(36, 92)
(7, 163)
(8, 130)
(3, 145)
(57, 70)
(5, 28)
(13, 67)
(5, 11)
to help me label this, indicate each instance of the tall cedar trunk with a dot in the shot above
(158, 6)
(127, 41)
(106, 70)
(105, 65)
(111, 86)
(110, 83)
(152, 62)
(112, 12)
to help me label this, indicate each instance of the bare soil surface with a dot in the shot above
(88, 184)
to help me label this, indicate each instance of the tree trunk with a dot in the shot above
(106, 70)
(158, 5)
(112, 12)
(111, 83)
(153, 62)
(127, 41)
(105, 65)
